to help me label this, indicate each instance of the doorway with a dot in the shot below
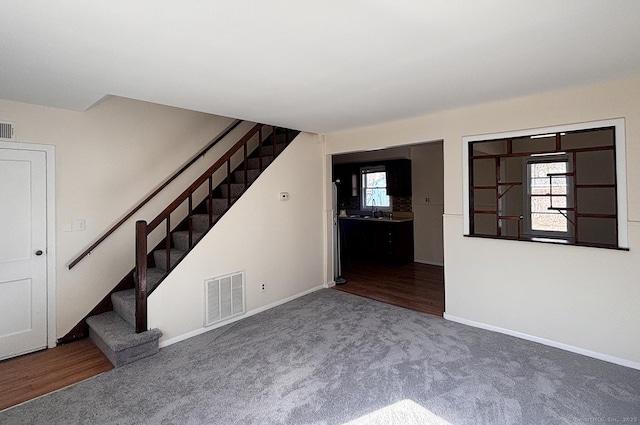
(27, 257)
(393, 255)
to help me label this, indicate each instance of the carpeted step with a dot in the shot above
(268, 150)
(154, 275)
(254, 163)
(252, 175)
(200, 222)
(281, 138)
(119, 341)
(160, 257)
(236, 189)
(181, 239)
(220, 205)
(124, 303)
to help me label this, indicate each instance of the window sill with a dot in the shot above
(554, 241)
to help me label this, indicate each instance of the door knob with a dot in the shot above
(38, 252)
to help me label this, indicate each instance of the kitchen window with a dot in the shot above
(374, 188)
(562, 184)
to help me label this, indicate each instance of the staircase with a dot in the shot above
(114, 332)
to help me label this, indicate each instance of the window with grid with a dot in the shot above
(562, 186)
(548, 193)
(374, 188)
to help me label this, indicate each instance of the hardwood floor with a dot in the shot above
(35, 374)
(415, 286)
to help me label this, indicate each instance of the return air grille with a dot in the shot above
(224, 298)
(7, 131)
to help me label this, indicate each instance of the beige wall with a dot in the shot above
(107, 159)
(280, 243)
(427, 169)
(580, 298)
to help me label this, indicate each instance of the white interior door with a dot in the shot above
(23, 256)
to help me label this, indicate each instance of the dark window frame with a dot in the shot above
(504, 141)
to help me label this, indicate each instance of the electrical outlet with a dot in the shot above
(426, 199)
(263, 286)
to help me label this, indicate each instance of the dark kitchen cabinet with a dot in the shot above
(398, 177)
(377, 240)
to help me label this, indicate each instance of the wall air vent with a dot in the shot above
(224, 298)
(7, 131)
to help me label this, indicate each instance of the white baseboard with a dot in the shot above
(330, 284)
(202, 330)
(431, 263)
(555, 344)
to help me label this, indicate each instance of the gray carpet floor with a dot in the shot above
(335, 358)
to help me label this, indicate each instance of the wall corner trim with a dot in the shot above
(600, 356)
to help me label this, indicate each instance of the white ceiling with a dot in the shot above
(313, 65)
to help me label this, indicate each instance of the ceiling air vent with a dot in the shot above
(7, 131)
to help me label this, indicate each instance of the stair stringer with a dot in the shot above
(272, 241)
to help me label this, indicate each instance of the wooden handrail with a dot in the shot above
(154, 193)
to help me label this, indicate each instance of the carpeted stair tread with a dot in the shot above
(181, 238)
(220, 205)
(252, 175)
(254, 163)
(154, 275)
(119, 341)
(236, 189)
(268, 150)
(160, 257)
(200, 222)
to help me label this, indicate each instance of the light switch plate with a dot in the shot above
(79, 225)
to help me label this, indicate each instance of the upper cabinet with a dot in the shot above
(398, 177)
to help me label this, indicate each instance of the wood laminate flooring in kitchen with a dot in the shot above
(415, 286)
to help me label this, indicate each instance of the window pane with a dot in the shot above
(542, 169)
(376, 198)
(543, 203)
(559, 185)
(548, 222)
(376, 180)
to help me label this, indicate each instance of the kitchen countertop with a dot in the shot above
(371, 218)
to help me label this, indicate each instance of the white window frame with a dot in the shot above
(363, 190)
(527, 225)
(621, 169)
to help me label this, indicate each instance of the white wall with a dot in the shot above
(277, 242)
(108, 158)
(581, 298)
(427, 181)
